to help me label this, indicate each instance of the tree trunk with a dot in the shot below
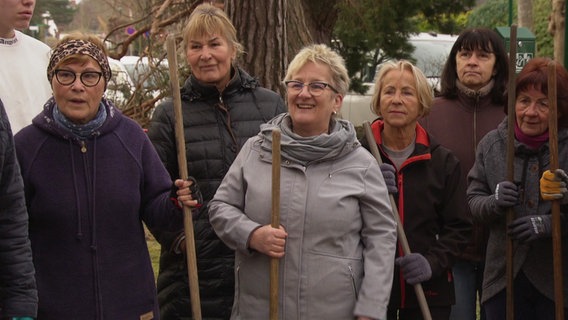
(556, 28)
(261, 29)
(321, 17)
(273, 31)
(525, 14)
(299, 34)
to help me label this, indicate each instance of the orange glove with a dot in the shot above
(553, 185)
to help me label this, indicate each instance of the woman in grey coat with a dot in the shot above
(337, 238)
(490, 195)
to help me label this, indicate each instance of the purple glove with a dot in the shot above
(415, 268)
(506, 194)
(389, 174)
(529, 228)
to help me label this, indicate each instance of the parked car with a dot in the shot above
(430, 54)
(149, 77)
(151, 84)
(119, 88)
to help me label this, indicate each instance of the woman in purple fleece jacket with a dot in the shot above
(91, 179)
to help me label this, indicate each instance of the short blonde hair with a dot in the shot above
(322, 54)
(423, 88)
(206, 20)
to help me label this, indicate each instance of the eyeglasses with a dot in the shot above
(314, 88)
(89, 78)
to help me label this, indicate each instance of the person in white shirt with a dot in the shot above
(23, 63)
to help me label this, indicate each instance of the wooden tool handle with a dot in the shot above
(182, 162)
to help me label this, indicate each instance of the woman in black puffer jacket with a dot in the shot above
(222, 107)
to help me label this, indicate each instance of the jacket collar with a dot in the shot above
(193, 89)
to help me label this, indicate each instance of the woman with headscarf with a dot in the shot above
(92, 178)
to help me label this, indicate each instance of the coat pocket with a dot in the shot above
(331, 286)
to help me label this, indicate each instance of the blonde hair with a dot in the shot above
(423, 88)
(320, 53)
(206, 20)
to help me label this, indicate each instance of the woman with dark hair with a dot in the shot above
(471, 104)
(490, 195)
(487, 45)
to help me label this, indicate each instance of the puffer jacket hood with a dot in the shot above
(194, 90)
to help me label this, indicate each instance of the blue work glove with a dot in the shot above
(21, 318)
(506, 194)
(553, 185)
(389, 174)
(415, 268)
(529, 228)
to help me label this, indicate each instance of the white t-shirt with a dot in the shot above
(24, 88)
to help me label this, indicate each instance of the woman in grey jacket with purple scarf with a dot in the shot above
(92, 178)
(490, 195)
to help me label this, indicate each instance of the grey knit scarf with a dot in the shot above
(341, 140)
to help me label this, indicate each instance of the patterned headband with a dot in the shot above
(78, 47)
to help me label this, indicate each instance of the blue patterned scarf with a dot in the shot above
(81, 131)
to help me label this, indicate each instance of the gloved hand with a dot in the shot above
(415, 268)
(529, 228)
(506, 194)
(21, 318)
(553, 185)
(193, 188)
(389, 174)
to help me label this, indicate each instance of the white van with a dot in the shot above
(430, 53)
(119, 88)
(151, 79)
(144, 74)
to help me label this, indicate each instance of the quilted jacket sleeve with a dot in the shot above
(18, 294)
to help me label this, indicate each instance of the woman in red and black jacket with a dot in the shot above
(424, 178)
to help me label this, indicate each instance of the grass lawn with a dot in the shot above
(154, 248)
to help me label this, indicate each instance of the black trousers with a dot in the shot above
(529, 303)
